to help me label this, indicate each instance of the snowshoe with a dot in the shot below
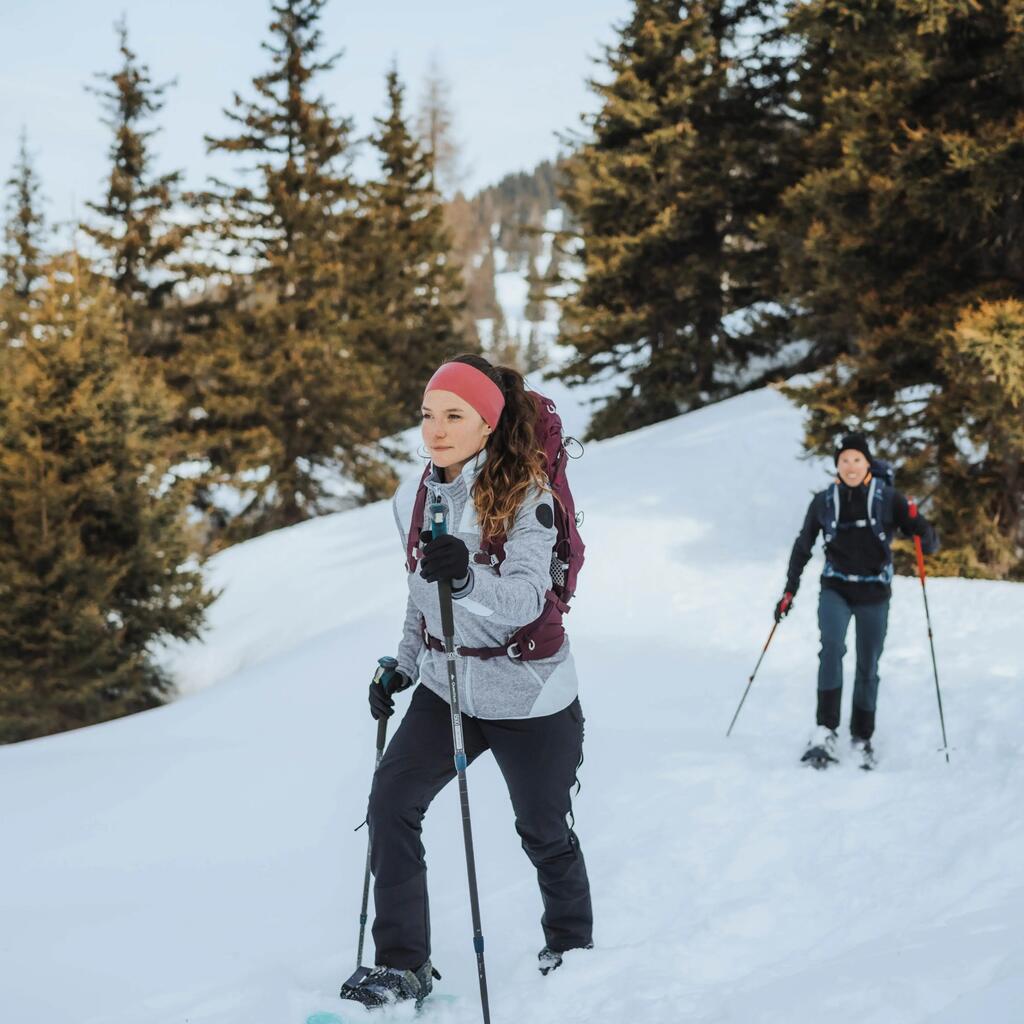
(821, 750)
(549, 959)
(385, 986)
(864, 753)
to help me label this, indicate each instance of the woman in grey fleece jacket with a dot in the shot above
(478, 425)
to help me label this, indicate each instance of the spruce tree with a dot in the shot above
(982, 407)
(24, 229)
(503, 347)
(139, 242)
(466, 241)
(535, 350)
(435, 128)
(687, 153)
(481, 295)
(536, 296)
(94, 568)
(405, 296)
(907, 227)
(283, 397)
(22, 257)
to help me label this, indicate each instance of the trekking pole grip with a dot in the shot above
(438, 519)
(384, 665)
(438, 528)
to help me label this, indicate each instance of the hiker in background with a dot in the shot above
(511, 557)
(857, 516)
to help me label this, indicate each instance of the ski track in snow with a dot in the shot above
(198, 863)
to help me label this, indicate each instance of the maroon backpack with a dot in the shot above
(543, 637)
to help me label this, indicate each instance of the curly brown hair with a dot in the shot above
(515, 460)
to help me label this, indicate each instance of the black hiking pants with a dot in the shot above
(538, 758)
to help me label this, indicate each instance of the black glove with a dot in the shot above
(930, 542)
(446, 558)
(783, 607)
(381, 703)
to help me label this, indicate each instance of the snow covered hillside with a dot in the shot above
(197, 863)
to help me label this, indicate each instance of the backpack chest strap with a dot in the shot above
(856, 524)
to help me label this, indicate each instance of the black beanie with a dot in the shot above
(854, 442)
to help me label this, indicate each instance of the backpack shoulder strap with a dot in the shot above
(412, 541)
(880, 508)
(829, 511)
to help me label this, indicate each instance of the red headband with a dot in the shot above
(471, 385)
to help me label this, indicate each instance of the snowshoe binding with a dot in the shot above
(549, 959)
(385, 986)
(821, 750)
(864, 753)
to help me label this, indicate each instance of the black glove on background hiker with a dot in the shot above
(381, 703)
(446, 558)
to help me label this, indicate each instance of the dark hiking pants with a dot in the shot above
(834, 614)
(537, 757)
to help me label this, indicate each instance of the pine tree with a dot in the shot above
(466, 240)
(435, 128)
(93, 562)
(813, 68)
(481, 295)
(686, 155)
(503, 347)
(136, 236)
(24, 230)
(911, 224)
(22, 257)
(536, 295)
(535, 351)
(404, 297)
(283, 397)
(982, 406)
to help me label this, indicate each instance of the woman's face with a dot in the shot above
(853, 467)
(453, 431)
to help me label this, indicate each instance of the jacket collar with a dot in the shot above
(470, 471)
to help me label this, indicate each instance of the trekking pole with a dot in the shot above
(384, 665)
(750, 681)
(928, 619)
(438, 526)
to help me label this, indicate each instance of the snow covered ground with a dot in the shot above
(197, 863)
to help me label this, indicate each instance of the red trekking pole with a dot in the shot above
(928, 619)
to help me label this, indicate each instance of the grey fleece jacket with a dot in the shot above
(488, 608)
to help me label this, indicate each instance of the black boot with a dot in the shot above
(829, 704)
(384, 986)
(549, 959)
(862, 723)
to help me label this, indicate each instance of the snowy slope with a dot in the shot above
(197, 863)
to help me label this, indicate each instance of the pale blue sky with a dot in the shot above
(517, 71)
